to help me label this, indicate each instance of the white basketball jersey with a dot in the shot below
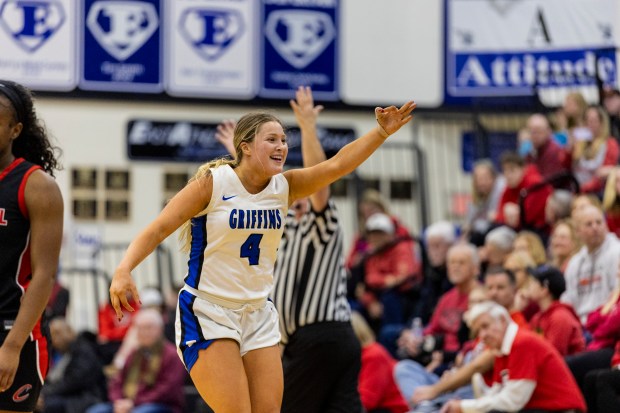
(234, 246)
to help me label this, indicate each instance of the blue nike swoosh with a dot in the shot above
(226, 198)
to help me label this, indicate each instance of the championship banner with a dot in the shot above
(211, 48)
(121, 46)
(38, 39)
(299, 48)
(515, 48)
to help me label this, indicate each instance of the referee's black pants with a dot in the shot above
(321, 370)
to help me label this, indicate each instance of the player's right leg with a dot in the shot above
(220, 377)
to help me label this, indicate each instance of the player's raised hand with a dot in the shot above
(225, 135)
(303, 107)
(391, 119)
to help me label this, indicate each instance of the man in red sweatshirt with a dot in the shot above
(556, 321)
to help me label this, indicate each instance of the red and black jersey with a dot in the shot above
(15, 268)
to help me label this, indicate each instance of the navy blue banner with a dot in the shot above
(195, 142)
(490, 145)
(122, 46)
(299, 48)
(522, 74)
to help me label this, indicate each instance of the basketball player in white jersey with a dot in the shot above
(232, 213)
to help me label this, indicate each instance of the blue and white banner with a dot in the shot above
(211, 48)
(299, 48)
(38, 39)
(515, 48)
(122, 46)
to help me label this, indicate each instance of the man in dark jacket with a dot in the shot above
(76, 379)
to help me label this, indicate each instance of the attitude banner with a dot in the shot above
(516, 47)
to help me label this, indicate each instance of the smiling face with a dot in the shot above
(268, 151)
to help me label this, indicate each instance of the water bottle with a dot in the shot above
(416, 328)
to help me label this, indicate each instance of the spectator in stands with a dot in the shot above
(594, 152)
(76, 380)
(591, 273)
(611, 201)
(413, 378)
(570, 116)
(581, 201)
(481, 360)
(520, 178)
(391, 271)
(557, 322)
(150, 297)
(501, 286)
(377, 387)
(112, 330)
(519, 262)
(487, 188)
(528, 372)
(601, 387)
(558, 206)
(463, 270)
(370, 203)
(546, 155)
(611, 103)
(152, 379)
(58, 302)
(563, 244)
(498, 244)
(603, 325)
(531, 243)
(438, 238)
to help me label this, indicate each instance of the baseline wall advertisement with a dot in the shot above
(514, 47)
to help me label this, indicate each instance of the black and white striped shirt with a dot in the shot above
(310, 280)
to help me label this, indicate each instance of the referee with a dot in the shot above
(321, 355)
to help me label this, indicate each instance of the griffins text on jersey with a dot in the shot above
(255, 219)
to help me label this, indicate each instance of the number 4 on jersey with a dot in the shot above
(251, 249)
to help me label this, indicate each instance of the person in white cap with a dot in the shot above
(391, 271)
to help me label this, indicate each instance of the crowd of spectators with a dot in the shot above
(539, 244)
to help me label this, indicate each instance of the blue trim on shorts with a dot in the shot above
(196, 254)
(190, 327)
(190, 354)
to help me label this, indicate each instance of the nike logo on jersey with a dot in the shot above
(226, 198)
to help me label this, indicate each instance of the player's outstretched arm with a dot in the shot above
(186, 204)
(303, 182)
